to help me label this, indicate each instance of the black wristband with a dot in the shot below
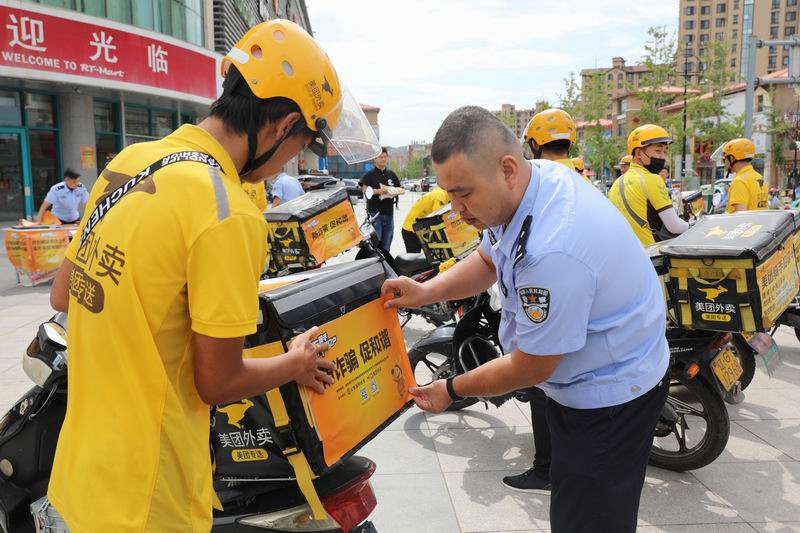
(450, 391)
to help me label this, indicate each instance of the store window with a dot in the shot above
(108, 137)
(163, 122)
(10, 109)
(44, 158)
(145, 124)
(182, 19)
(39, 111)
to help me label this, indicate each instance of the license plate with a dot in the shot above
(727, 368)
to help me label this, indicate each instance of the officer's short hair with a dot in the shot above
(466, 130)
(71, 174)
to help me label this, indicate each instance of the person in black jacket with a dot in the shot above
(377, 178)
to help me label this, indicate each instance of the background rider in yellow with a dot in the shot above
(640, 194)
(429, 203)
(257, 193)
(161, 287)
(550, 135)
(580, 167)
(748, 191)
(625, 164)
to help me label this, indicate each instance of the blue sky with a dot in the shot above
(419, 59)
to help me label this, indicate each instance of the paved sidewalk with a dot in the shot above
(441, 474)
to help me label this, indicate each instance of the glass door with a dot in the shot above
(15, 177)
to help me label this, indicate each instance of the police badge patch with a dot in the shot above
(536, 302)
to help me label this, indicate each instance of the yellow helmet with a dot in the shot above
(627, 159)
(739, 149)
(646, 135)
(577, 162)
(280, 59)
(550, 125)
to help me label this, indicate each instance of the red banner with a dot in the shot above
(38, 41)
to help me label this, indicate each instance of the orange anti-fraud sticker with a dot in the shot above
(332, 232)
(371, 378)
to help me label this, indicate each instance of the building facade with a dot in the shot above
(80, 80)
(514, 118)
(733, 22)
(620, 79)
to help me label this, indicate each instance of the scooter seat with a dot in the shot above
(409, 264)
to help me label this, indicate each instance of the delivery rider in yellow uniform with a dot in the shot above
(640, 194)
(429, 203)
(748, 192)
(550, 135)
(580, 167)
(625, 164)
(161, 286)
(257, 194)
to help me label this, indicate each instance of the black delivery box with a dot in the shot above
(733, 272)
(372, 375)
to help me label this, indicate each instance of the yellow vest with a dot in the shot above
(429, 203)
(748, 189)
(646, 194)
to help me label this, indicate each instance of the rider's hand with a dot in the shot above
(312, 369)
(404, 292)
(432, 398)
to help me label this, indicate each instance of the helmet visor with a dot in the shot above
(349, 132)
(718, 154)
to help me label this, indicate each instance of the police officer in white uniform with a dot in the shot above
(68, 199)
(583, 316)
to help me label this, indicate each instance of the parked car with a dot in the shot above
(426, 184)
(315, 183)
(353, 189)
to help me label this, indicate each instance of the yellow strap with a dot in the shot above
(302, 470)
(446, 245)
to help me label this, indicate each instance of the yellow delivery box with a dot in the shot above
(36, 252)
(445, 235)
(309, 230)
(294, 431)
(734, 272)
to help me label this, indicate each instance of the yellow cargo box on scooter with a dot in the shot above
(445, 235)
(796, 214)
(734, 272)
(309, 230)
(294, 431)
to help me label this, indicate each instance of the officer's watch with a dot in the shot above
(450, 391)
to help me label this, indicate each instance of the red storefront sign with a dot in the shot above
(44, 42)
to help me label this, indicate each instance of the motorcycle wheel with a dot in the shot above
(701, 429)
(430, 366)
(747, 358)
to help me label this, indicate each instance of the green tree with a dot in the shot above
(711, 121)
(599, 149)
(509, 119)
(780, 132)
(571, 98)
(542, 105)
(413, 167)
(659, 58)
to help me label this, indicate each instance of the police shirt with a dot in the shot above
(576, 282)
(287, 188)
(181, 253)
(570, 165)
(67, 202)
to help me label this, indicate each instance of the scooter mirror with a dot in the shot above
(716, 200)
(53, 335)
(369, 193)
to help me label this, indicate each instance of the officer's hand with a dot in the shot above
(311, 369)
(432, 398)
(403, 292)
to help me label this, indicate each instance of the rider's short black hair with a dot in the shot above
(236, 109)
(465, 130)
(560, 146)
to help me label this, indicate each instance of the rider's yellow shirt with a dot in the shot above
(570, 165)
(181, 253)
(646, 195)
(429, 203)
(257, 194)
(748, 189)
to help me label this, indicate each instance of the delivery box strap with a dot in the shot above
(695, 273)
(685, 296)
(295, 456)
(446, 245)
(112, 199)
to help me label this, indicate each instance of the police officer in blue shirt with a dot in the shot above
(68, 199)
(583, 316)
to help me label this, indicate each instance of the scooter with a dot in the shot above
(693, 428)
(29, 434)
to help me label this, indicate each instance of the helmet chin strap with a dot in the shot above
(254, 162)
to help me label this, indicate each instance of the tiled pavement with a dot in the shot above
(441, 474)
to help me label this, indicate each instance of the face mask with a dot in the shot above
(656, 165)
